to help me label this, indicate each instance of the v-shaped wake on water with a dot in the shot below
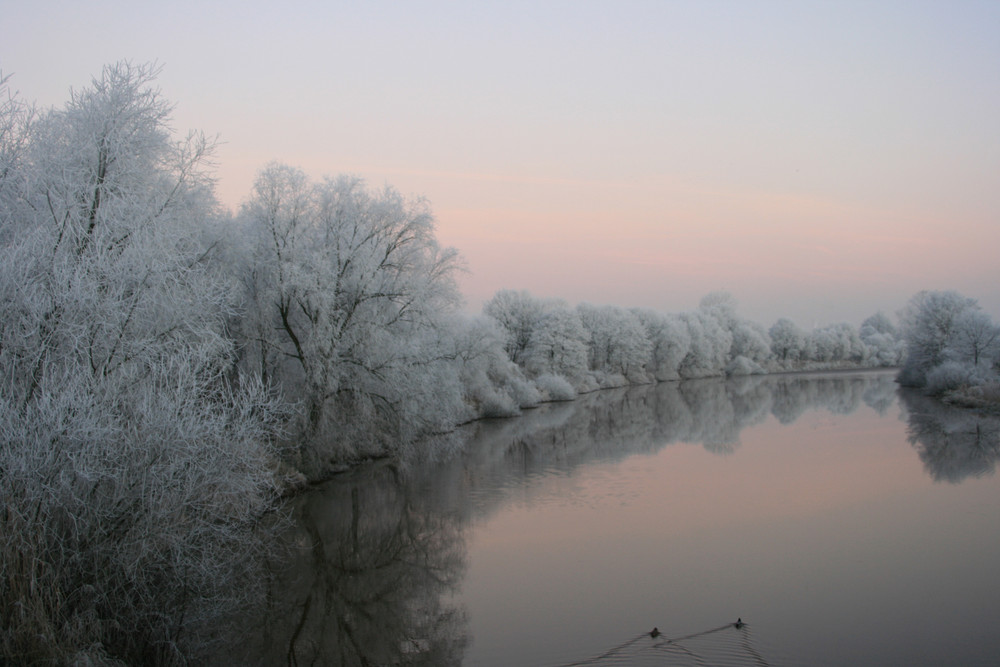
(727, 645)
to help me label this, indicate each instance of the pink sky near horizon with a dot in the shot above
(821, 161)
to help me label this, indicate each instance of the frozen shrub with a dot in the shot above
(743, 366)
(949, 376)
(523, 392)
(555, 387)
(493, 403)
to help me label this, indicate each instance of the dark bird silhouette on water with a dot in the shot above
(739, 623)
(654, 633)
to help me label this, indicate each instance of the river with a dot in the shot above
(841, 520)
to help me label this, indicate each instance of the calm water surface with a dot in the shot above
(844, 522)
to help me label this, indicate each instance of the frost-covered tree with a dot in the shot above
(884, 346)
(826, 345)
(350, 293)
(748, 339)
(546, 338)
(720, 303)
(670, 340)
(492, 384)
(969, 371)
(16, 119)
(708, 352)
(928, 323)
(517, 313)
(559, 345)
(837, 342)
(618, 346)
(879, 323)
(975, 339)
(787, 340)
(131, 461)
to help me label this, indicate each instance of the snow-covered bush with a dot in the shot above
(949, 376)
(492, 384)
(743, 366)
(555, 387)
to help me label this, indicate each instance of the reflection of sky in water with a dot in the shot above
(844, 525)
(827, 534)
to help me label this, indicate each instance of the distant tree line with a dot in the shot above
(590, 347)
(167, 368)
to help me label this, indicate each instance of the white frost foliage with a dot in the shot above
(743, 366)
(878, 323)
(555, 387)
(605, 380)
(975, 339)
(788, 341)
(142, 502)
(492, 384)
(884, 347)
(708, 352)
(558, 345)
(492, 402)
(130, 463)
(619, 345)
(837, 342)
(349, 296)
(722, 305)
(928, 323)
(523, 391)
(16, 124)
(949, 376)
(670, 339)
(518, 314)
(750, 340)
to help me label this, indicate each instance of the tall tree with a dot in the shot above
(879, 334)
(518, 314)
(128, 459)
(787, 340)
(558, 345)
(975, 339)
(671, 341)
(619, 346)
(350, 295)
(708, 352)
(928, 322)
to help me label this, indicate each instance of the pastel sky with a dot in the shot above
(819, 160)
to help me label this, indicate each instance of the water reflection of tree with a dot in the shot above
(953, 443)
(367, 580)
(612, 425)
(838, 393)
(375, 553)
